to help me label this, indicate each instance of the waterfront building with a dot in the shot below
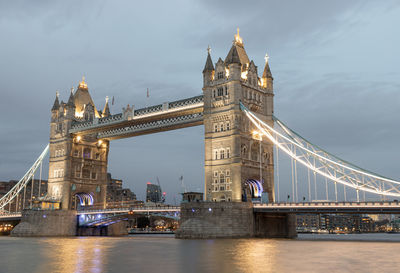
(153, 193)
(115, 191)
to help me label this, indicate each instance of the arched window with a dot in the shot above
(221, 178)
(228, 126)
(216, 154)
(87, 153)
(228, 152)
(222, 154)
(215, 127)
(221, 127)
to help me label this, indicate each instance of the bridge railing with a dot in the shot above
(316, 204)
(132, 208)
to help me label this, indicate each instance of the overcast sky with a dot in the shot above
(335, 65)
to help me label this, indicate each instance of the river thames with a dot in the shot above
(308, 253)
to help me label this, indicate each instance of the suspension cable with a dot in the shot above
(277, 170)
(350, 180)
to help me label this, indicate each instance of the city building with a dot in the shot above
(115, 191)
(153, 193)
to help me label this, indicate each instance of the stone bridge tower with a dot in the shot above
(78, 164)
(232, 152)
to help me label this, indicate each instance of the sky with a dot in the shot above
(334, 63)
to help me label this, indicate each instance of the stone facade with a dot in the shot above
(204, 220)
(216, 220)
(46, 223)
(78, 164)
(232, 155)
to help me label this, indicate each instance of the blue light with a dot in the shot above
(209, 209)
(44, 216)
(98, 216)
(193, 210)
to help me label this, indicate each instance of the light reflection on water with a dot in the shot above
(166, 254)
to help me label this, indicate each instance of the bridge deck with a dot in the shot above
(331, 207)
(163, 117)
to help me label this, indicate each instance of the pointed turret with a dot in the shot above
(208, 71)
(56, 104)
(209, 67)
(267, 78)
(71, 102)
(82, 98)
(237, 53)
(106, 109)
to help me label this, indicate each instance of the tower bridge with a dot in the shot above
(242, 138)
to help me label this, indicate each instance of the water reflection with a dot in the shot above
(228, 255)
(76, 254)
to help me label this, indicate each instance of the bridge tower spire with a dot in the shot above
(232, 155)
(77, 164)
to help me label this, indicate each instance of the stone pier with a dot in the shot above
(203, 220)
(38, 223)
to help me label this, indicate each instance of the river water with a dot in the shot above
(159, 253)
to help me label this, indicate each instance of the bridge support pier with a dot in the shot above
(203, 220)
(275, 225)
(46, 223)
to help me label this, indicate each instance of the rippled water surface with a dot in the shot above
(309, 253)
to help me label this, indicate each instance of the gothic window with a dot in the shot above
(228, 126)
(222, 154)
(85, 173)
(216, 189)
(59, 127)
(77, 171)
(94, 175)
(228, 180)
(215, 127)
(86, 116)
(216, 154)
(226, 91)
(97, 155)
(87, 153)
(221, 127)
(222, 188)
(254, 151)
(220, 91)
(228, 187)
(228, 152)
(58, 173)
(216, 181)
(76, 152)
(215, 174)
(221, 178)
(220, 75)
(228, 173)
(214, 94)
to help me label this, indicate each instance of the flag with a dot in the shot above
(148, 94)
(112, 103)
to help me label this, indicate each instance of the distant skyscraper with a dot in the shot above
(153, 193)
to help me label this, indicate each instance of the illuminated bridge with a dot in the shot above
(244, 146)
